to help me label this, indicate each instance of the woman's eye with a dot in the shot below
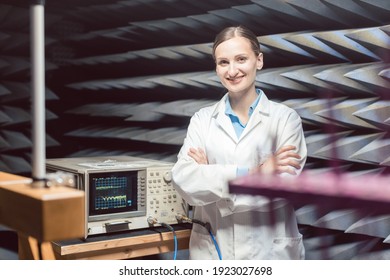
(241, 59)
(223, 62)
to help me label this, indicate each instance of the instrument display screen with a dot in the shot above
(113, 192)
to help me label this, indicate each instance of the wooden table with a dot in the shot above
(125, 245)
(40, 215)
(45, 217)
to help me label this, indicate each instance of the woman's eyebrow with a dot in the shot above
(237, 55)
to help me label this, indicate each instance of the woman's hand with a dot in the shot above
(283, 161)
(198, 155)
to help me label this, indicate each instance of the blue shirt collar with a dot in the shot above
(229, 111)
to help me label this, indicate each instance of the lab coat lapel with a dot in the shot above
(224, 121)
(225, 124)
(260, 113)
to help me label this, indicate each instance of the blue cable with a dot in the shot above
(216, 245)
(175, 253)
(174, 238)
(207, 226)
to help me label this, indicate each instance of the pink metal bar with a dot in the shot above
(339, 190)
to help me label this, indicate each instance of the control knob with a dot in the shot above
(167, 176)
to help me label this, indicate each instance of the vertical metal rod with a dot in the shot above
(37, 26)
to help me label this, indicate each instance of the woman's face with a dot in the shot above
(236, 65)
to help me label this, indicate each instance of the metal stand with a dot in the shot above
(38, 92)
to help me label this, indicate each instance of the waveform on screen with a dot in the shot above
(107, 202)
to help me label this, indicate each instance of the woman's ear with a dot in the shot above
(259, 61)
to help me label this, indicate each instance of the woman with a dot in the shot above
(243, 133)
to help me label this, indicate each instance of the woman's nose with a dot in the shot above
(232, 71)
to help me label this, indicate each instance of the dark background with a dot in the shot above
(124, 78)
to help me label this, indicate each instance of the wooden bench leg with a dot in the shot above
(30, 249)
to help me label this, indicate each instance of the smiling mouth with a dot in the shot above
(235, 79)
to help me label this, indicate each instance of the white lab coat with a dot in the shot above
(242, 224)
